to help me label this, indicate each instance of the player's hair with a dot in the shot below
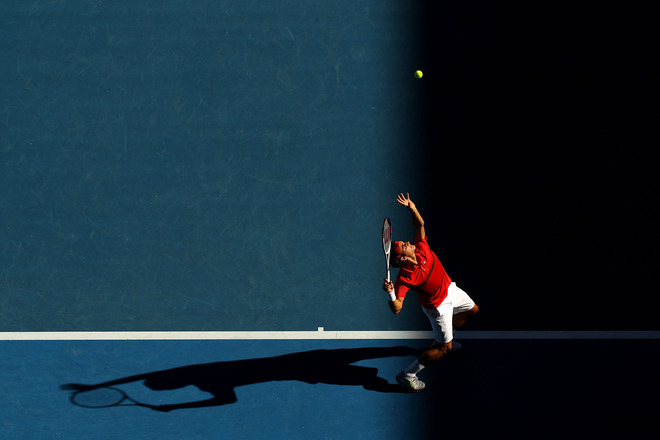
(395, 255)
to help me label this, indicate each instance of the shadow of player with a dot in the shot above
(221, 378)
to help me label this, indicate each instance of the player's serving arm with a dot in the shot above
(403, 252)
(446, 306)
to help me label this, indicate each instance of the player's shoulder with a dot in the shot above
(421, 242)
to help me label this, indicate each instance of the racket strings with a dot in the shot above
(98, 398)
(387, 235)
(387, 244)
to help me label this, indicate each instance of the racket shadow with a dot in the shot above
(220, 379)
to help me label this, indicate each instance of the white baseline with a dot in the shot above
(320, 334)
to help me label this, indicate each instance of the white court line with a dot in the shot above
(320, 334)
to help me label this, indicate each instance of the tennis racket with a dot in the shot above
(103, 397)
(387, 244)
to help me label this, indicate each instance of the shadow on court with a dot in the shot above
(221, 378)
(546, 389)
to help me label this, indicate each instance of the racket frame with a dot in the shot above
(387, 244)
(121, 395)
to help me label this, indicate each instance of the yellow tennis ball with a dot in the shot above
(418, 74)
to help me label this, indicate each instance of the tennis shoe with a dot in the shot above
(410, 382)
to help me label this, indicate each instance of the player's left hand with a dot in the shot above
(405, 200)
(388, 286)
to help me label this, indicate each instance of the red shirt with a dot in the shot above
(429, 279)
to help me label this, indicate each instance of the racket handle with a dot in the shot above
(391, 295)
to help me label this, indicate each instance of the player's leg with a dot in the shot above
(434, 353)
(464, 307)
(460, 318)
(441, 323)
(441, 320)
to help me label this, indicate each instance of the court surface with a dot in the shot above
(328, 389)
(223, 168)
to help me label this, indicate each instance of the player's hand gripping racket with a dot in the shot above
(387, 244)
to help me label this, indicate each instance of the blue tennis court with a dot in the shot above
(201, 166)
(327, 389)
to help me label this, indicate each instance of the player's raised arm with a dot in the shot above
(417, 219)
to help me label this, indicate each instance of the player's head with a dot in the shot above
(395, 254)
(401, 252)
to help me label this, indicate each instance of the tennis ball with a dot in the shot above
(418, 74)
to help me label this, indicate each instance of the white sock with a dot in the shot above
(413, 369)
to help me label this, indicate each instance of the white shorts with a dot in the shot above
(457, 301)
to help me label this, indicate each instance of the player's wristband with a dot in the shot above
(392, 296)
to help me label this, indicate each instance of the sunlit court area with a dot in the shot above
(192, 197)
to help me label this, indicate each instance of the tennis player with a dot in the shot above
(446, 306)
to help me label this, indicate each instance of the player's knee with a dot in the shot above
(441, 349)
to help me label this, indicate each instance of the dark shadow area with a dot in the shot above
(221, 378)
(546, 389)
(539, 160)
